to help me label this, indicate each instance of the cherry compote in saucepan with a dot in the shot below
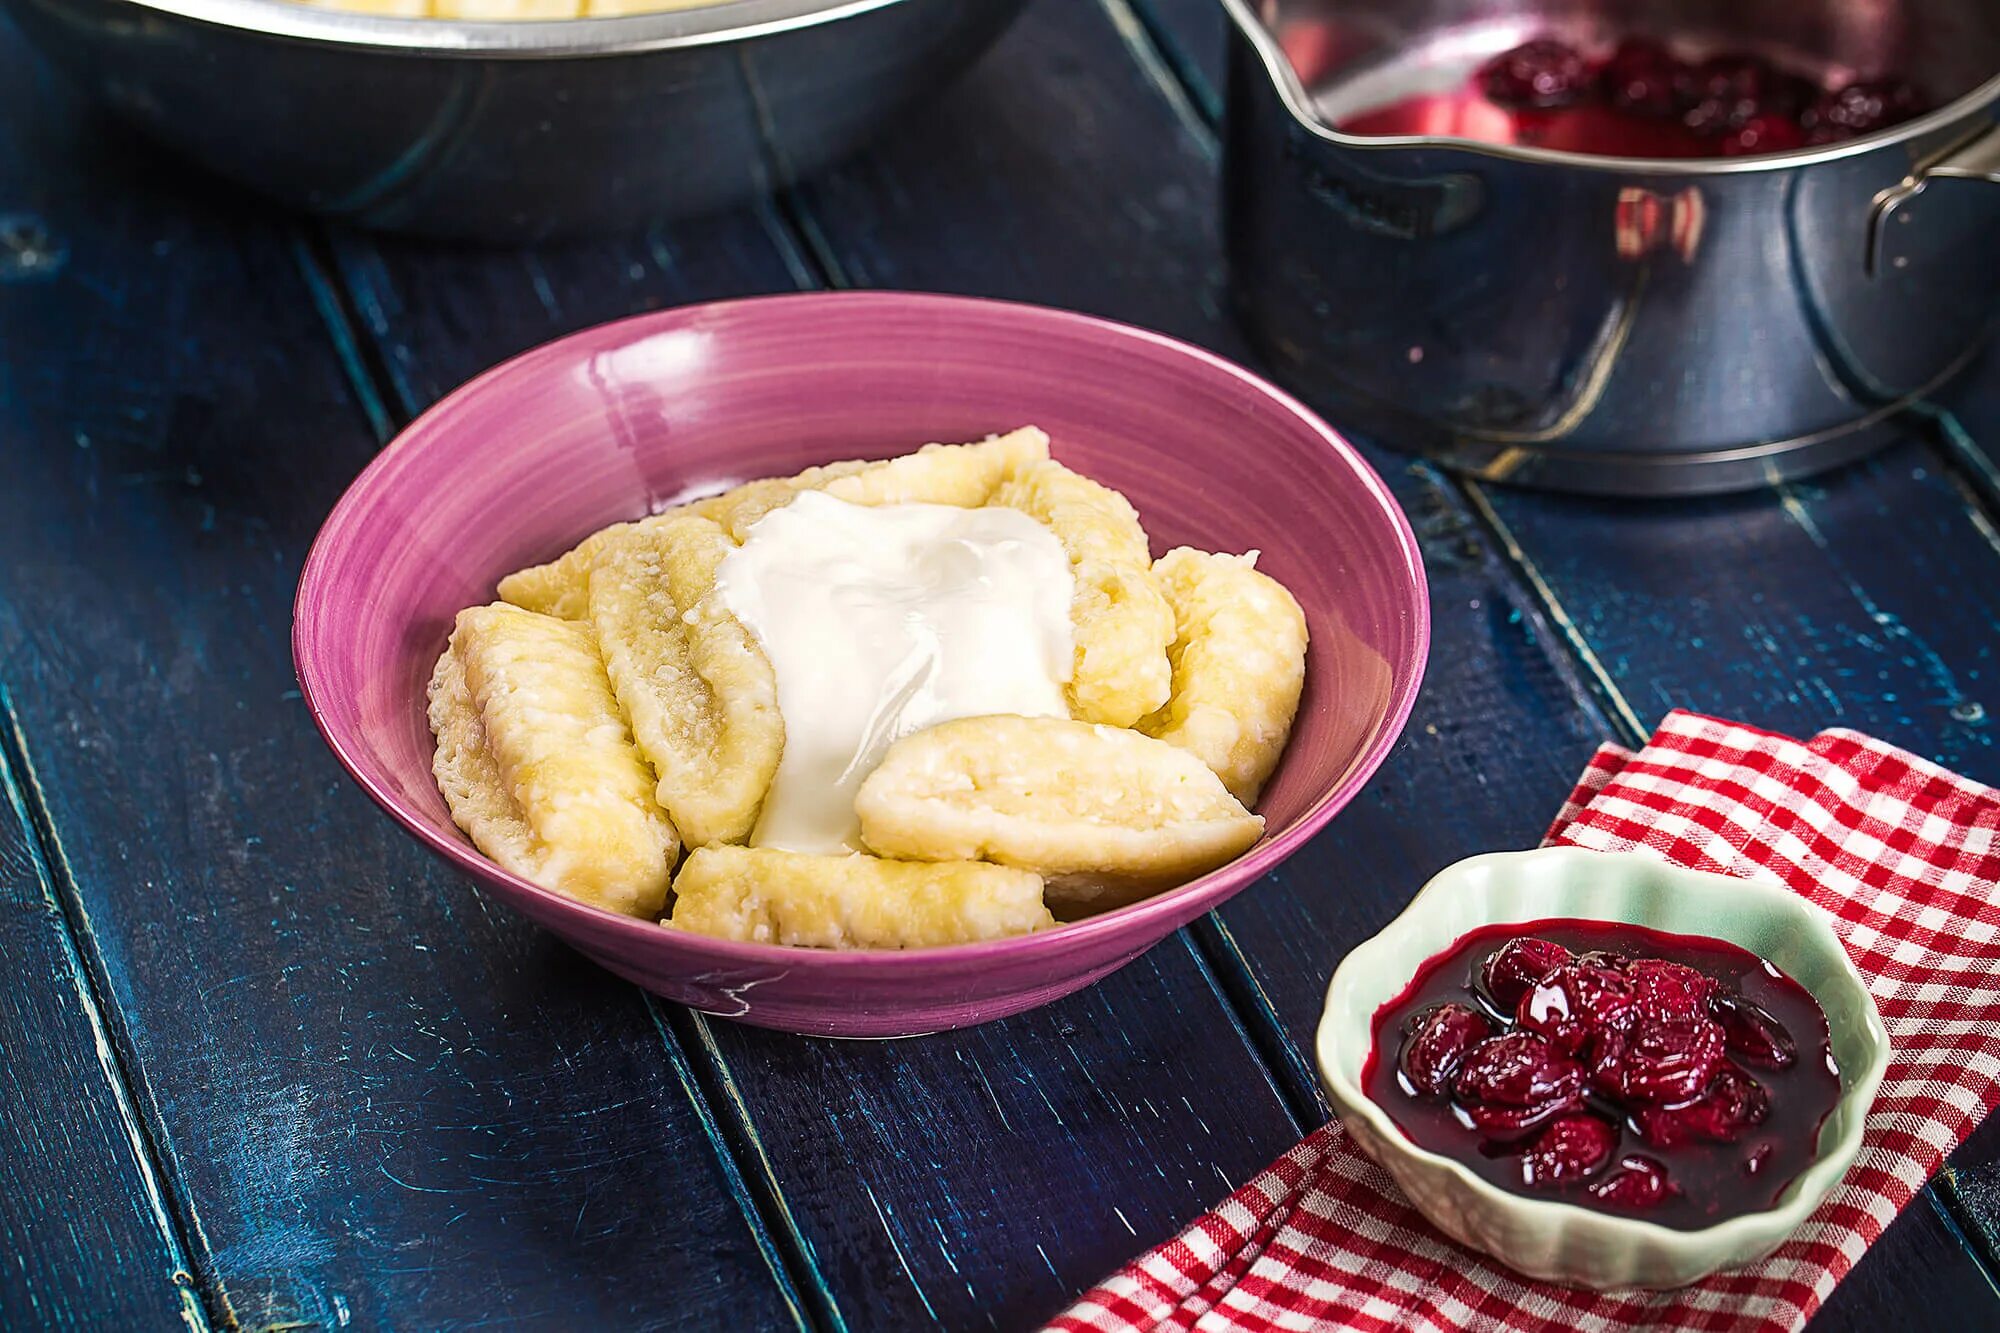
(1641, 99)
(1675, 1077)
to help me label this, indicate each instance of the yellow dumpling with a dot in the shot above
(537, 766)
(955, 474)
(484, 10)
(1239, 659)
(852, 901)
(1105, 815)
(700, 693)
(1122, 621)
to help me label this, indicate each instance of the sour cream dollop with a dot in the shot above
(883, 621)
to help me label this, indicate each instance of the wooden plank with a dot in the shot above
(1493, 774)
(381, 1104)
(433, 315)
(984, 1178)
(1867, 598)
(883, 1156)
(83, 1214)
(1966, 425)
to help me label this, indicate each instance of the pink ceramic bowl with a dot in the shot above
(606, 424)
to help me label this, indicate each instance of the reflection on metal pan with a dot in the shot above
(1652, 326)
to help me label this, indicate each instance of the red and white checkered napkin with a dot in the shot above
(1906, 857)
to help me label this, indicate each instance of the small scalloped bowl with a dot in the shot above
(606, 424)
(1562, 1242)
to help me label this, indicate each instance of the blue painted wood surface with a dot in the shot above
(375, 1103)
(297, 1002)
(84, 1221)
(1967, 428)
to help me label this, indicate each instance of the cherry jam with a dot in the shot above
(1641, 99)
(1624, 1069)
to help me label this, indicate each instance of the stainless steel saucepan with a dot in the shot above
(1617, 325)
(512, 131)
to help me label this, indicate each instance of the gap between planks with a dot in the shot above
(197, 1297)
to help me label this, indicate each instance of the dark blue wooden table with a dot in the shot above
(263, 1064)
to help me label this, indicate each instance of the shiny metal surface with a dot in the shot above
(1611, 324)
(511, 131)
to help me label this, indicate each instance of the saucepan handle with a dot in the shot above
(1976, 159)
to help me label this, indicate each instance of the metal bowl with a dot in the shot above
(512, 131)
(1612, 324)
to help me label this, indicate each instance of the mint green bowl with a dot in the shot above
(1561, 1242)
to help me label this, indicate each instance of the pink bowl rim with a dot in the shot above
(1203, 893)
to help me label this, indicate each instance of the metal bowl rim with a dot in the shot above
(517, 39)
(1299, 103)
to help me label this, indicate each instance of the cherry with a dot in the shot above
(1659, 1066)
(1639, 1182)
(1504, 1124)
(1726, 92)
(1630, 1069)
(1540, 74)
(1517, 1069)
(1644, 100)
(1436, 1043)
(1516, 965)
(1734, 1104)
(1569, 1149)
(1642, 75)
(1763, 134)
(1576, 1002)
(1862, 108)
(1668, 993)
(1713, 107)
(1752, 1034)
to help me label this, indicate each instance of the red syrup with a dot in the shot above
(1466, 114)
(1642, 100)
(1673, 1077)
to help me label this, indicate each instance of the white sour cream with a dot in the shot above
(883, 621)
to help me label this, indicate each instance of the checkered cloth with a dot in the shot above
(1905, 856)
